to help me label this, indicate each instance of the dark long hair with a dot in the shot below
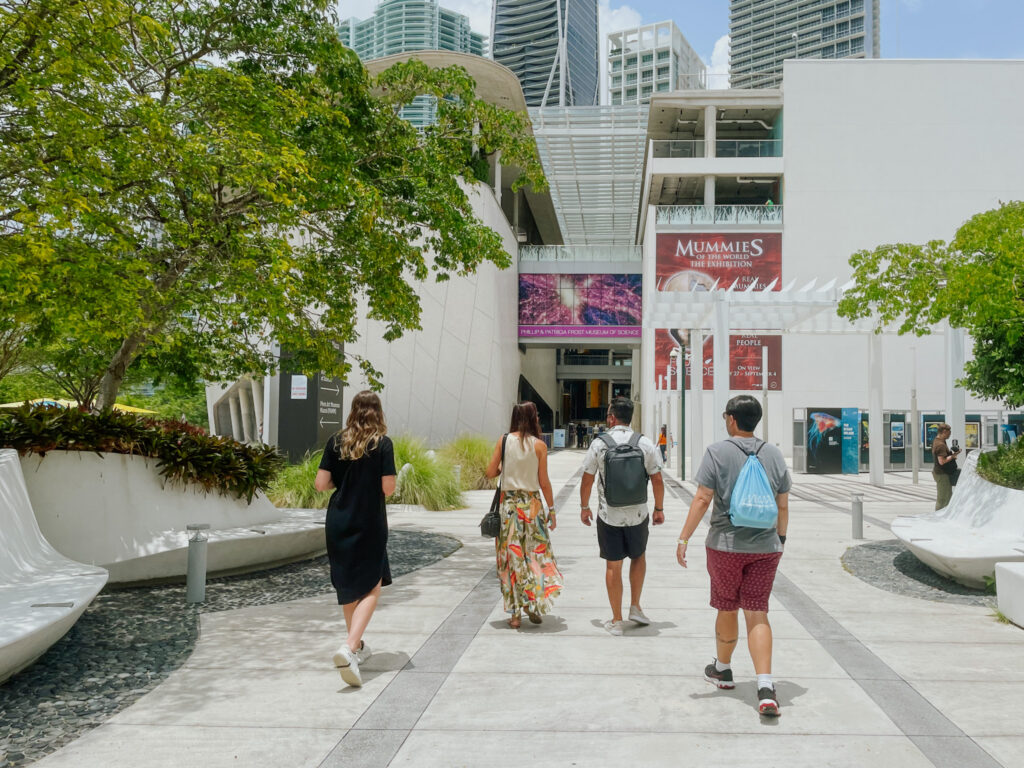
(525, 420)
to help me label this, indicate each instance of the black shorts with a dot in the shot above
(618, 543)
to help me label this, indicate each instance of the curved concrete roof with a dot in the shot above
(495, 83)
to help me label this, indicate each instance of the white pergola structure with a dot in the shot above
(807, 309)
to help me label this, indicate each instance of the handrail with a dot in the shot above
(748, 148)
(671, 148)
(610, 253)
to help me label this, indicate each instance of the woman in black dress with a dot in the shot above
(359, 463)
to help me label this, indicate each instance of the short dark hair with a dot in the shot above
(622, 409)
(746, 410)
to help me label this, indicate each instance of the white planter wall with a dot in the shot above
(117, 511)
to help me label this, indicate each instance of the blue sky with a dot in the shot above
(990, 29)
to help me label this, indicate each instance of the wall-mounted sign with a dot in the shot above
(688, 262)
(300, 386)
(588, 306)
(745, 359)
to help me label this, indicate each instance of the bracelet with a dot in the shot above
(659, 509)
(684, 542)
(585, 508)
(551, 510)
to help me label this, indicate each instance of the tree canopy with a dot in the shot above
(975, 282)
(185, 180)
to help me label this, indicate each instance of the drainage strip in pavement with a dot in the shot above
(379, 733)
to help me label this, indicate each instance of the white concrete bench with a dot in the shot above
(42, 593)
(116, 511)
(1010, 591)
(982, 525)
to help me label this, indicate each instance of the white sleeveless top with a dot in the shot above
(519, 473)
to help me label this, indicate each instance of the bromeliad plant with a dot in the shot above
(184, 452)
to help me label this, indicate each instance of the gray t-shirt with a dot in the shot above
(718, 471)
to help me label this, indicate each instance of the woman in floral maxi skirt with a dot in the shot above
(529, 575)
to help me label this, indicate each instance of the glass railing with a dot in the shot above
(678, 148)
(580, 253)
(748, 148)
(719, 214)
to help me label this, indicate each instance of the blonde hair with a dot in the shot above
(364, 426)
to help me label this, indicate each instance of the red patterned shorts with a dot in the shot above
(741, 579)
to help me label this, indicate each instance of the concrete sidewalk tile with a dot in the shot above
(962, 662)
(365, 749)
(637, 655)
(164, 746)
(554, 702)
(571, 748)
(261, 698)
(1008, 750)
(983, 708)
(929, 622)
(400, 705)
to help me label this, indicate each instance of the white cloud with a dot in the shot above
(611, 20)
(718, 64)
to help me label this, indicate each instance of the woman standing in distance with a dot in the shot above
(526, 566)
(359, 463)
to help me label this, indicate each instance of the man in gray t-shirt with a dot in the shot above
(741, 561)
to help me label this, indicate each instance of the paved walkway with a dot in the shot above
(864, 677)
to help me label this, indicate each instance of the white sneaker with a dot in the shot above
(363, 653)
(347, 662)
(613, 627)
(637, 616)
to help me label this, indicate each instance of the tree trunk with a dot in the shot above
(114, 375)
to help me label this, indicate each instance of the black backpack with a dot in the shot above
(625, 472)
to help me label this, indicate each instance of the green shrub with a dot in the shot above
(293, 486)
(183, 452)
(429, 482)
(472, 453)
(1004, 466)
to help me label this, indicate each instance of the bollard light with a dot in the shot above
(857, 515)
(195, 581)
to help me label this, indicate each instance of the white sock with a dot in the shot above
(764, 681)
(720, 667)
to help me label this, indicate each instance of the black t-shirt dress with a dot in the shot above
(357, 523)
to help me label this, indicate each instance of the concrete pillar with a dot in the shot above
(721, 369)
(245, 406)
(876, 456)
(256, 385)
(647, 373)
(236, 418)
(696, 436)
(710, 130)
(709, 191)
(955, 401)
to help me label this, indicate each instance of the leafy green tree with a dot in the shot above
(217, 174)
(975, 282)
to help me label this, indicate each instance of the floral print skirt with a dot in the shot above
(526, 565)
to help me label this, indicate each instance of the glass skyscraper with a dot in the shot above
(762, 33)
(400, 26)
(551, 45)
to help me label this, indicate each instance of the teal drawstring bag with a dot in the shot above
(752, 503)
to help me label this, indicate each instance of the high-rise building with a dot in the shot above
(400, 26)
(551, 45)
(651, 59)
(762, 33)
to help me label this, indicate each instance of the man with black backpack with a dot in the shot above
(749, 483)
(623, 460)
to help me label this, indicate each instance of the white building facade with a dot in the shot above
(654, 58)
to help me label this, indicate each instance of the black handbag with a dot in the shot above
(490, 525)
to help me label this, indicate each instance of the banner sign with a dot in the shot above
(588, 305)
(851, 441)
(686, 262)
(825, 441)
(745, 358)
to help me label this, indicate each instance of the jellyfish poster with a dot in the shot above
(585, 305)
(745, 360)
(824, 441)
(693, 262)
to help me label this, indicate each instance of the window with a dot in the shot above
(662, 86)
(842, 29)
(856, 6)
(842, 49)
(828, 52)
(616, 66)
(631, 93)
(616, 81)
(631, 61)
(645, 91)
(857, 26)
(828, 14)
(647, 58)
(663, 72)
(662, 55)
(842, 10)
(630, 78)
(648, 75)
(828, 33)
(617, 97)
(857, 45)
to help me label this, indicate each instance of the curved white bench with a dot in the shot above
(42, 593)
(117, 511)
(982, 525)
